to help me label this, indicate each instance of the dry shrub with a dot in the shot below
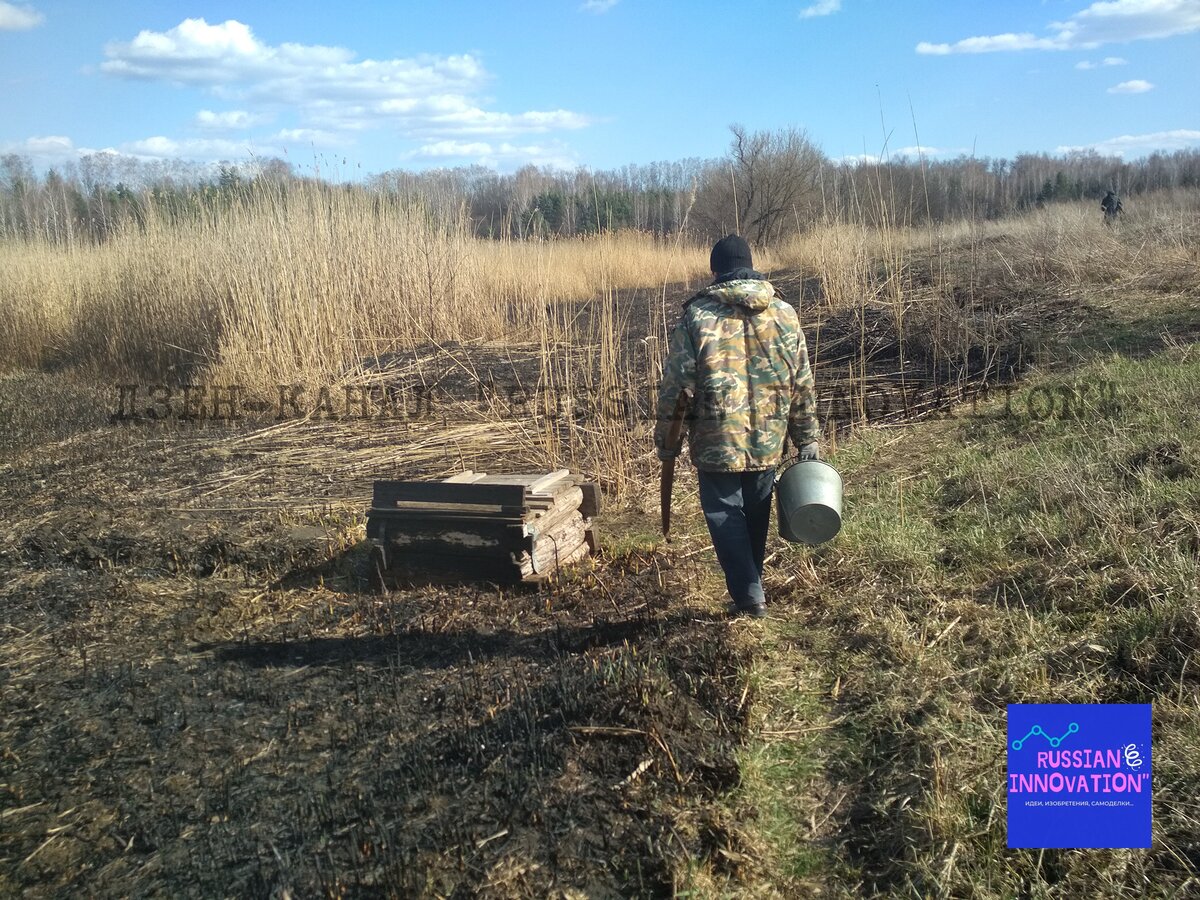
(839, 254)
(1065, 247)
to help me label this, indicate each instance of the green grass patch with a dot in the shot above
(1042, 548)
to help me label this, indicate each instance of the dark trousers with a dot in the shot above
(737, 508)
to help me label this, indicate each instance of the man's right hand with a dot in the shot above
(809, 451)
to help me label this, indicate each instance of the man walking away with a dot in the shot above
(1111, 204)
(739, 351)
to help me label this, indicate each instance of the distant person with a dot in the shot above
(741, 354)
(1111, 204)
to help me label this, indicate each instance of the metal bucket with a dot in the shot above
(808, 502)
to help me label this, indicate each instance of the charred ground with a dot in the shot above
(201, 696)
(215, 703)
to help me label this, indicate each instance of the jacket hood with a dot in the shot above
(752, 294)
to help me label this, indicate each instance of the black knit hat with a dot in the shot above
(729, 253)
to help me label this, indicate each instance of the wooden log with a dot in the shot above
(567, 503)
(556, 548)
(561, 560)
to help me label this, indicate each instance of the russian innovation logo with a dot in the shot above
(1079, 775)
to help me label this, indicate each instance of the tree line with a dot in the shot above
(769, 185)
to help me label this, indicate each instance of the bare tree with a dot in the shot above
(767, 183)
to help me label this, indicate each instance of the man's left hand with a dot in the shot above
(809, 451)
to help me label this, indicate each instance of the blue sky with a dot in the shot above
(595, 83)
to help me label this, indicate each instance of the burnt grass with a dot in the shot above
(200, 695)
(864, 373)
(220, 706)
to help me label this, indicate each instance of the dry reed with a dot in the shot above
(302, 282)
(324, 286)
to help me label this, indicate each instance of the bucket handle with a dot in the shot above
(785, 464)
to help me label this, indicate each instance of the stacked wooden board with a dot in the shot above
(474, 526)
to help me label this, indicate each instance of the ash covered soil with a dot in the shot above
(202, 697)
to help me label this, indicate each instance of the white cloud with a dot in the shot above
(452, 149)
(855, 159)
(1107, 61)
(49, 150)
(821, 8)
(59, 150)
(1114, 61)
(315, 136)
(1137, 86)
(904, 154)
(160, 147)
(422, 96)
(502, 155)
(927, 152)
(19, 18)
(38, 147)
(448, 115)
(477, 122)
(230, 58)
(991, 44)
(1110, 21)
(1119, 21)
(53, 150)
(224, 121)
(599, 7)
(1141, 144)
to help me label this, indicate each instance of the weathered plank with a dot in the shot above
(546, 483)
(466, 511)
(467, 477)
(473, 538)
(389, 493)
(591, 503)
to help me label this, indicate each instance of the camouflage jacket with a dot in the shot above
(740, 351)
